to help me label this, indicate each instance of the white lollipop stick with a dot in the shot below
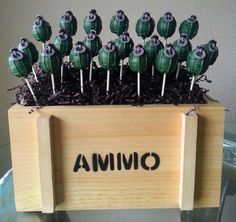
(178, 69)
(138, 84)
(34, 73)
(62, 72)
(121, 69)
(53, 84)
(32, 92)
(152, 70)
(68, 58)
(81, 81)
(163, 85)
(166, 42)
(108, 81)
(143, 42)
(192, 83)
(91, 70)
(43, 45)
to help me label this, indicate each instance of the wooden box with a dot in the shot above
(116, 157)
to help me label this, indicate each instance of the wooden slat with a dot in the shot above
(188, 160)
(45, 163)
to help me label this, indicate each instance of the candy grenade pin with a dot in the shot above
(138, 62)
(182, 47)
(68, 23)
(20, 66)
(197, 63)
(124, 45)
(166, 26)
(93, 22)
(108, 59)
(63, 43)
(94, 44)
(145, 26)
(211, 51)
(80, 59)
(119, 23)
(29, 49)
(152, 47)
(189, 27)
(166, 62)
(50, 62)
(41, 30)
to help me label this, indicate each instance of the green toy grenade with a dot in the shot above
(119, 23)
(41, 29)
(93, 22)
(19, 63)
(68, 23)
(189, 27)
(166, 25)
(211, 51)
(124, 45)
(145, 25)
(93, 43)
(63, 43)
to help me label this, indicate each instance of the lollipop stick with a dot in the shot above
(68, 58)
(165, 41)
(62, 72)
(192, 83)
(43, 45)
(81, 81)
(143, 42)
(31, 91)
(163, 85)
(121, 69)
(138, 84)
(108, 81)
(152, 70)
(91, 70)
(178, 69)
(53, 84)
(34, 73)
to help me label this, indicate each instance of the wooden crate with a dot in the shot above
(179, 157)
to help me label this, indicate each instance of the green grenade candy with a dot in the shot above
(189, 27)
(119, 23)
(41, 29)
(182, 47)
(93, 43)
(211, 51)
(108, 56)
(166, 60)
(80, 56)
(68, 23)
(166, 25)
(29, 49)
(197, 61)
(145, 25)
(19, 63)
(63, 43)
(138, 60)
(50, 60)
(124, 45)
(152, 47)
(93, 22)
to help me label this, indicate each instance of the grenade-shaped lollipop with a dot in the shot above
(50, 61)
(197, 63)
(108, 59)
(152, 47)
(189, 27)
(182, 47)
(138, 62)
(166, 62)
(119, 23)
(41, 30)
(166, 25)
(80, 59)
(94, 44)
(145, 26)
(20, 66)
(29, 49)
(124, 45)
(68, 23)
(93, 22)
(211, 51)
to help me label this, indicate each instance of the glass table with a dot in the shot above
(9, 214)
